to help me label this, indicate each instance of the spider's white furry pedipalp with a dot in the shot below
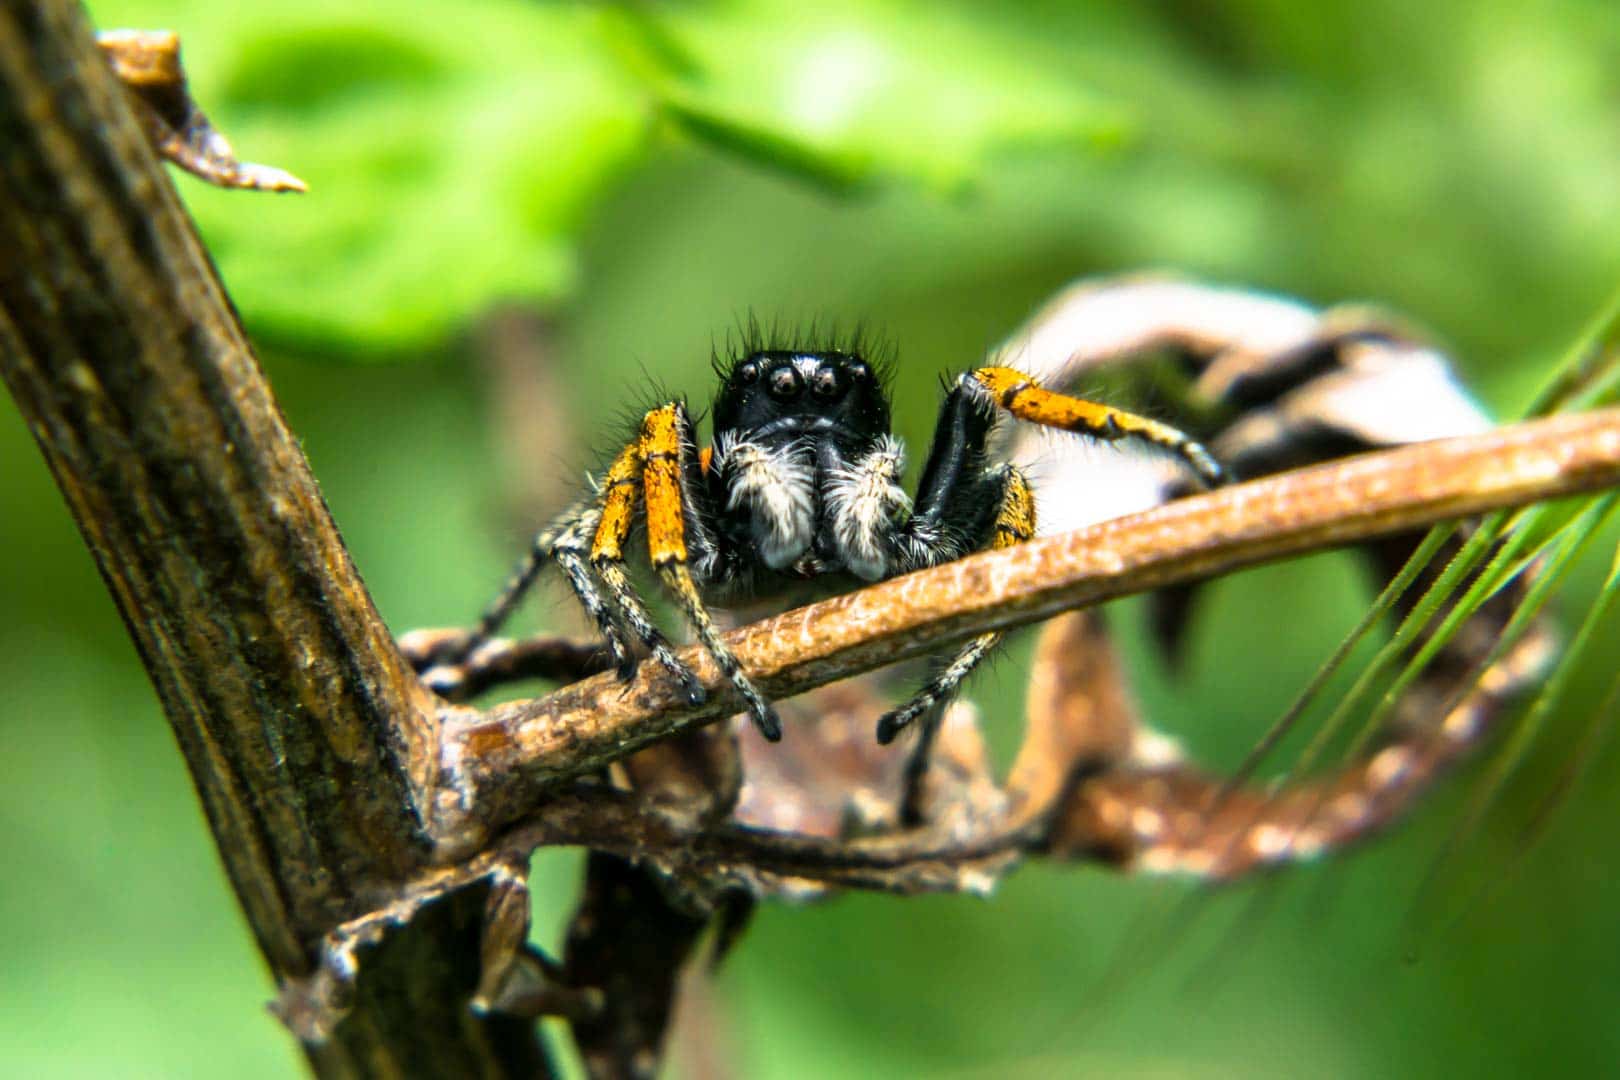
(778, 486)
(865, 504)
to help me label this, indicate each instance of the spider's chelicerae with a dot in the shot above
(802, 484)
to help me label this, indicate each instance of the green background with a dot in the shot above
(937, 171)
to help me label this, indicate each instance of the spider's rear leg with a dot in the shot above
(667, 444)
(1027, 400)
(1014, 524)
(561, 541)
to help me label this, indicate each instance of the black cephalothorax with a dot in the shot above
(802, 483)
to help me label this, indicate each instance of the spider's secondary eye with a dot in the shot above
(824, 383)
(859, 371)
(748, 371)
(784, 383)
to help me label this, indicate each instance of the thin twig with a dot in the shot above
(498, 763)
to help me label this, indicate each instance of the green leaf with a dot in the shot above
(452, 152)
(854, 93)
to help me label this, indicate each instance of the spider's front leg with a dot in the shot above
(666, 467)
(621, 490)
(1026, 399)
(1014, 524)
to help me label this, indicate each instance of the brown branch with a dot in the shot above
(499, 763)
(1091, 783)
(306, 733)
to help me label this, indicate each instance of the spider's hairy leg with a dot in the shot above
(666, 439)
(524, 577)
(1014, 524)
(620, 489)
(569, 552)
(958, 505)
(1027, 400)
(512, 593)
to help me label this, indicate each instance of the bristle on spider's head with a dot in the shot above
(751, 335)
(814, 381)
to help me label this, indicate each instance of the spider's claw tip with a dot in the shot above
(625, 668)
(769, 724)
(1211, 473)
(690, 687)
(889, 725)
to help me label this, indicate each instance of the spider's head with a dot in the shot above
(785, 394)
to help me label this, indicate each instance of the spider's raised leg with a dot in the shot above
(1026, 399)
(964, 504)
(669, 480)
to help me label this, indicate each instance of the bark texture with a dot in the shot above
(307, 735)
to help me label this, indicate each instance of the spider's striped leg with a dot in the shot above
(620, 489)
(961, 504)
(518, 585)
(446, 670)
(570, 552)
(667, 479)
(1024, 398)
(1014, 524)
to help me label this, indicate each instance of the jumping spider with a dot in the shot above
(802, 484)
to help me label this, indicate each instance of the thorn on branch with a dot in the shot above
(147, 62)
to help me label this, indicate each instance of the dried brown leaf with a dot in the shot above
(147, 62)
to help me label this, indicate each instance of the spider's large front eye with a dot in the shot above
(784, 383)
(824, 383)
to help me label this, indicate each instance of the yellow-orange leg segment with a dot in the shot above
(621, 488)
(663, 445)
(1025, 399)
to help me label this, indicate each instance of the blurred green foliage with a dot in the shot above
(647, 173)
(492, 129)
